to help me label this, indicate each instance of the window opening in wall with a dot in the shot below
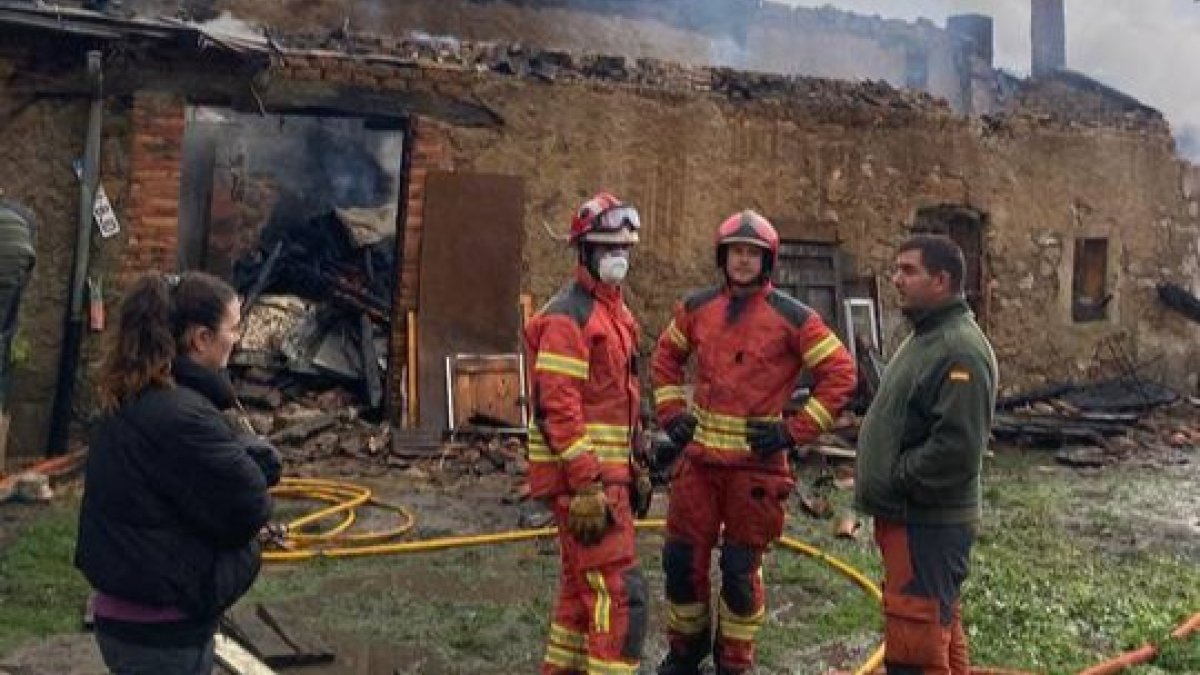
(812, 274)
(1089, 287)
(298, 212)
(965, 226)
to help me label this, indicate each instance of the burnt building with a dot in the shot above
(1067, 196)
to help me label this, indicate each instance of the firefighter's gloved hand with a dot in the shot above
(588, 516)
(641, 492)
(768, 438)
(681, 428)
(661, 457)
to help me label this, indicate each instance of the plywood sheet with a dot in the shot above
(470, 278)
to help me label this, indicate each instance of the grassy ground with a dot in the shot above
(40, 592)
(1068, 570)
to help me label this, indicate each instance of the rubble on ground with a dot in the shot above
(318, 299)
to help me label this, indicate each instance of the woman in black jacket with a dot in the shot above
(174, 495)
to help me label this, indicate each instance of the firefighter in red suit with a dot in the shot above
(749, 343)
(585, 396)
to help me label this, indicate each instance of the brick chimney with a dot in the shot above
(1048, 31)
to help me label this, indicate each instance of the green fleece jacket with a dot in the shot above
(920, 449)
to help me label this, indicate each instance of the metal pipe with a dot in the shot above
(413, 400)
(450, 392)
(60, 418)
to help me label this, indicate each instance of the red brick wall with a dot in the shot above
(430, 151)
(155, 169)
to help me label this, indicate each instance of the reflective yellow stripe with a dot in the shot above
(565, 658)
(600, 616)
(676, 336)
(822, 350)
(598, 667)
(733, 423)
(575, 449)
(539, 450)
(740, 627)
(610, 453)
(608, 433)
(565, 637)
(609, 442)
(689, 619)
(670, 392)
(725, 432)
(819, 413)
(563, 365)
(719, 441)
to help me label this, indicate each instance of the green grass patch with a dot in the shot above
(1051, 595)
(41, 592)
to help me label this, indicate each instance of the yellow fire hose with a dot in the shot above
(344, 498)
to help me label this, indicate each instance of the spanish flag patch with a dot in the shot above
(960, 374)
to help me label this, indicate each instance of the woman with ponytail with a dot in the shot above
(174, 495)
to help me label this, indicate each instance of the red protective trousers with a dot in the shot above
(743, 509)
(599, 621)
(924, 567)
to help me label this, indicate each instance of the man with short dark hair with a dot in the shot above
(920, 454)
(748, 342)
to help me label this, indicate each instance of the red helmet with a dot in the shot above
(605, 219)
(749, 227)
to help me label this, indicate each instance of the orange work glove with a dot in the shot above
(588, 516)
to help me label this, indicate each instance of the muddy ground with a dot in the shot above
(483, 610)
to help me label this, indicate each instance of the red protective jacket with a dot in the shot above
(746, 370)
(581, 350)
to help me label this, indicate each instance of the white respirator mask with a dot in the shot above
(613, 266)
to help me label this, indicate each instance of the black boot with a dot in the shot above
(675, 664)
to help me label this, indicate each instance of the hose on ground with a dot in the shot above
(304, 541)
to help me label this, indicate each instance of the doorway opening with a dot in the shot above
(299, 213)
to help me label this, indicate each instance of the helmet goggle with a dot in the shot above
(617, 218)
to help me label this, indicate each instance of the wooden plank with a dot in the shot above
(260, 639)
(309, 648)
(487, 386)
(237, 659)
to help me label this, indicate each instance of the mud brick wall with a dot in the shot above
(828, 156)
(688, 146)
(691, 145)
(42, 136)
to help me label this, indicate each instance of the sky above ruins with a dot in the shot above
(1149, 49)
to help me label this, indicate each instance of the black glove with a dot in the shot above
(661, 457)
(681, 428)
(768, 438)
(641, 491)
